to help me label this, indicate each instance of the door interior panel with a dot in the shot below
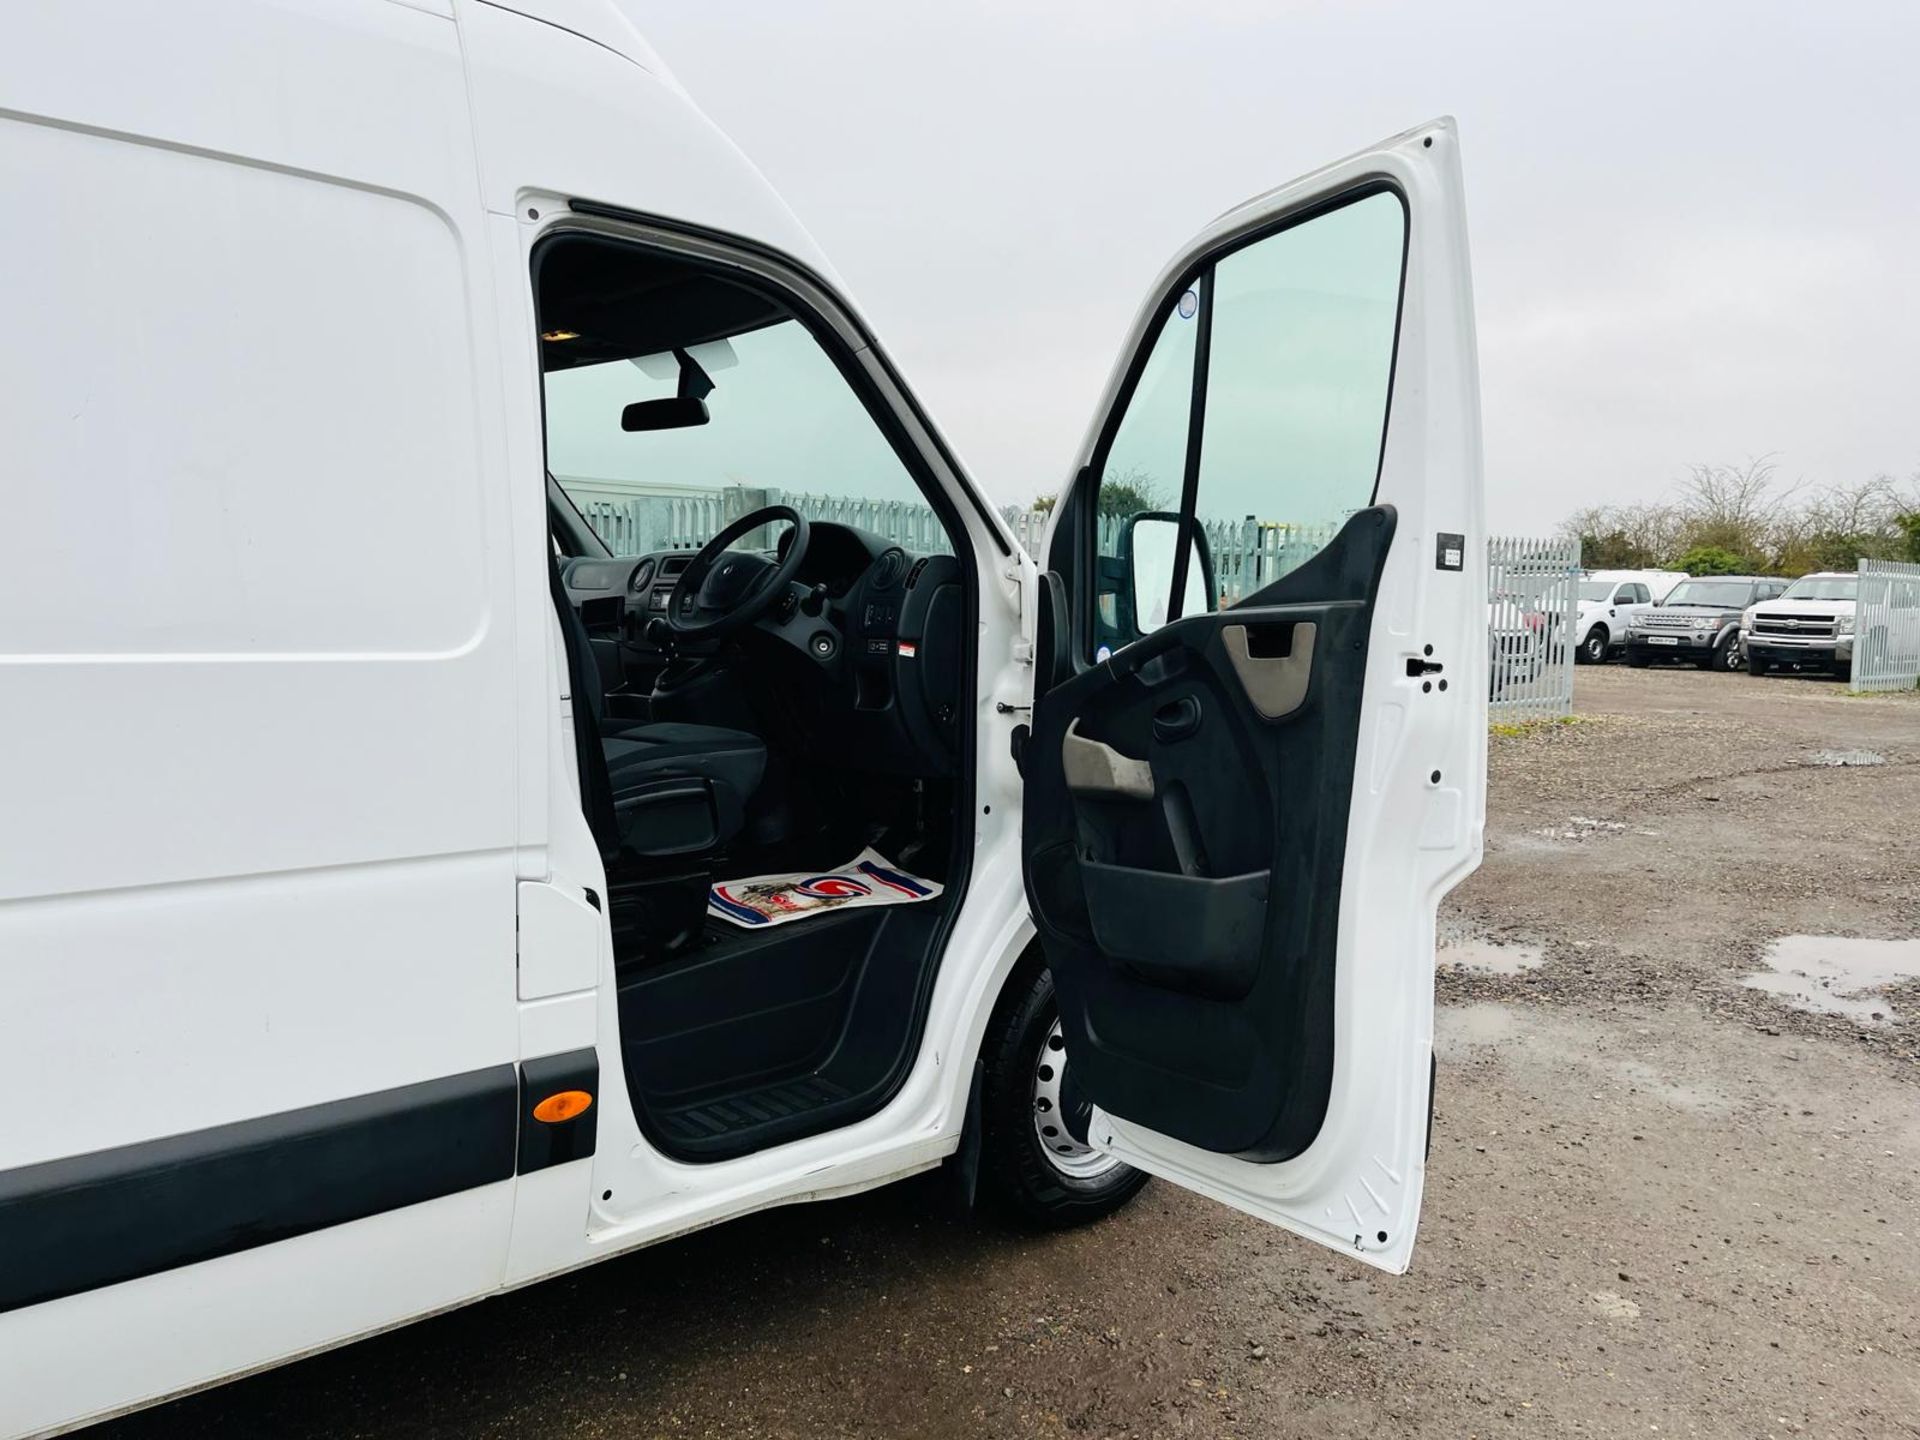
(1187, 816)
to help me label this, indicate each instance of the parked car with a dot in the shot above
(446, 978)
(1810, 625)
(1516, 642)
(1698, 622)
(1606, 598)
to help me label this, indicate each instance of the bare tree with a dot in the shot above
(1734, 507)
(1743, 515)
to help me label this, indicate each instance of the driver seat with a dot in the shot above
(671, 788)
(681, 789)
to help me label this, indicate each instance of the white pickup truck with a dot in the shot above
(1606, 597)
(1811, 624)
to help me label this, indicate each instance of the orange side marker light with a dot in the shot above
(563, 1106)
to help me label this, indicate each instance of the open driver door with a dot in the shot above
(1258, 750)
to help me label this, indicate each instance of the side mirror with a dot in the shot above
(1148, 546)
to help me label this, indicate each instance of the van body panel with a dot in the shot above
(564, 119)
(601, 21)
(259, 747)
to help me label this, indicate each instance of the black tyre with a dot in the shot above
(1036, 1169)
(1725, 656)
(1637, 662)
(1757, 666)
(1593, 649)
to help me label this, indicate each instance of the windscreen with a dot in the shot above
(1824, 587)
(1729, 594)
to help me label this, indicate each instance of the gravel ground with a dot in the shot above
(1659, 1202)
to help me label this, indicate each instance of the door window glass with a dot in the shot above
(1142, 474)
(1282, 352)
(1300, 360)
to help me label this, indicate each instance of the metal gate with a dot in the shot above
(1532, 600)
(1886, 626)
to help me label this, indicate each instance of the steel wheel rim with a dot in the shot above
(1064, 1153)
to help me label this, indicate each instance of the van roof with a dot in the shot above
(601, 21)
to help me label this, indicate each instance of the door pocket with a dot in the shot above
(1274, 664)
(1189, 933)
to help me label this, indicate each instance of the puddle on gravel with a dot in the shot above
(1460, 1028)
(1846, 757)
(1489, 957)
(1832, 975)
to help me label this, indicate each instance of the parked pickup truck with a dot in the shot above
(1811, 624)
(1606, 598)
(1698, 622)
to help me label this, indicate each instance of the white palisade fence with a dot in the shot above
(1533, 589)
(1886, 626)
(1531, 583)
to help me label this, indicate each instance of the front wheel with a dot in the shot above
(1725, 656)
(1593, 649)
(1757, 666)
(1036, 1167)
(1636, 662)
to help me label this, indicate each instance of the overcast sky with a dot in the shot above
(1696, 227)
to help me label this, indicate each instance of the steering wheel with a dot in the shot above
(721, 591)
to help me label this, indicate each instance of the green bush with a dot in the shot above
(1710, 560)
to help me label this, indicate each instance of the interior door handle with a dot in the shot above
(1094, 768)
(1276, 684)
(1177, 719)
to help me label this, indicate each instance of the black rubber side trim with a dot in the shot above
(544, 1143)
(75, 1224)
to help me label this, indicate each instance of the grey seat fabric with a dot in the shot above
(730, 758)
(643, 759)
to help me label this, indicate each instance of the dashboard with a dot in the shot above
(862, 656)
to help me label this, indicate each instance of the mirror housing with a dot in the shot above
(673, 412)
(1147, 548)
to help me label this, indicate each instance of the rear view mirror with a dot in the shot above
(674, 412)
(1148, 546)
(687, 407)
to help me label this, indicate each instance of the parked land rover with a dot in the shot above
(421, 874)
(1699, 622)
(1809, 626)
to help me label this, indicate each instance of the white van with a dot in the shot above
(482, 623)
